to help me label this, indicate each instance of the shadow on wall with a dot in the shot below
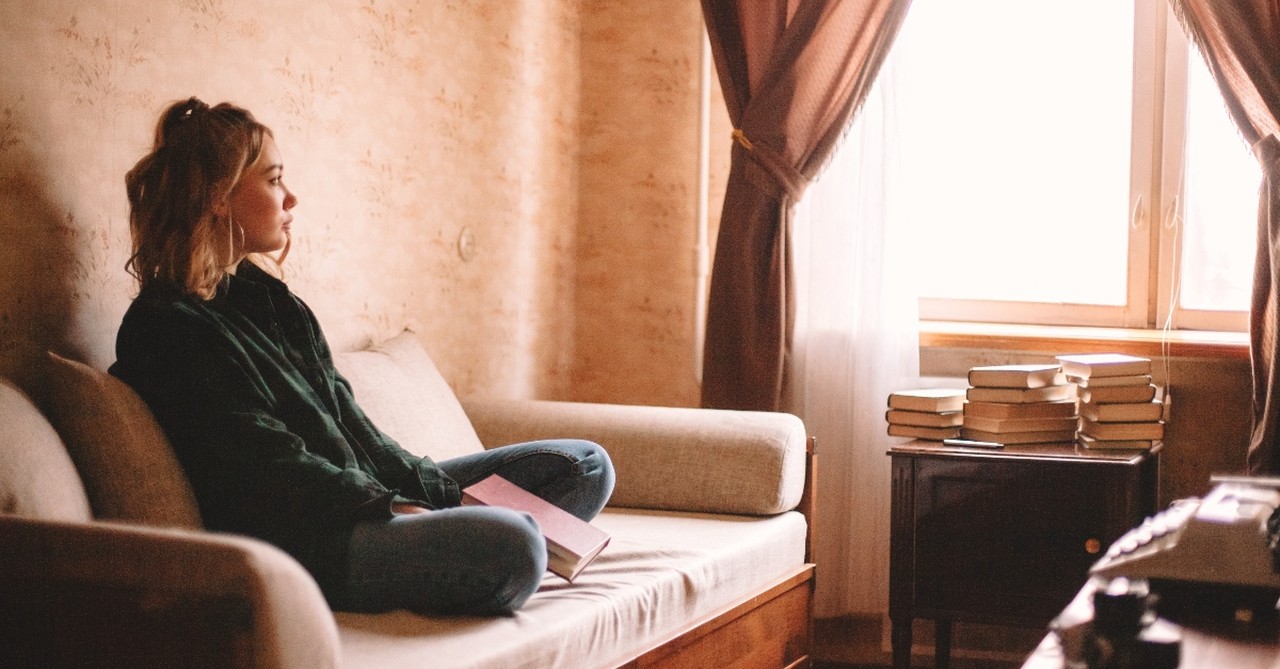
(38, 242)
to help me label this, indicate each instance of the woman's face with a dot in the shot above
(260, 203)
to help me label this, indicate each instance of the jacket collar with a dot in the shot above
(248, 271)
(254, 293)
(251, 280)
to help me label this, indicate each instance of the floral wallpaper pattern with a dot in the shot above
(406, 125)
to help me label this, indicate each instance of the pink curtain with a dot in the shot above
(793, 73)
(1240, 41)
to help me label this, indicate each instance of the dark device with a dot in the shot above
(1212, 559)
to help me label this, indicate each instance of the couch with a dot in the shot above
(104, 561)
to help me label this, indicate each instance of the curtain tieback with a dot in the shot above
(791, 181)
(1267, 151)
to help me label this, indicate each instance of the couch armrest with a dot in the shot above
(672, 458)
(113, 595)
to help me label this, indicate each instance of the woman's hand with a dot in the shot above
(401, 508)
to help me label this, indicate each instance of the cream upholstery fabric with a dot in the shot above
(399, 387)
(669, 457)
(129, 470)
(37, 478)
(660, 572)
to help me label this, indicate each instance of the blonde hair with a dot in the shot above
(179, 238)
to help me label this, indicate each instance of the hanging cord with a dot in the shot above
(741, 138)
(1174, 221)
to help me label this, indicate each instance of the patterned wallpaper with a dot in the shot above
(514, 179)
(640, 194)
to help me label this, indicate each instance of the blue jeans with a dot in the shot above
(475, 560)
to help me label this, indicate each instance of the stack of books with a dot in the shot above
(1120, 407)
(1020, 404)
(926, 413)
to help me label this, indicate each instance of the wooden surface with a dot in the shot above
(1201, 649)
(768, 631)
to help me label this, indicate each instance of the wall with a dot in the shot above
(557, 139)
(637, 268)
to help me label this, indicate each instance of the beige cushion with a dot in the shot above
(675, 458)
(404, 394)
(37, 477)
(129, 470)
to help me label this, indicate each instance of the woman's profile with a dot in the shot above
(240, 376)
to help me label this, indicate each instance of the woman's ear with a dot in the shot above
(221, 209)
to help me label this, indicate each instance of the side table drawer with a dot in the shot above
(1011, 540)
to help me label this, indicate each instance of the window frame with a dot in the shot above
(1160, 66)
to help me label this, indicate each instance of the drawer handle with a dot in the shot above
(1092, 546)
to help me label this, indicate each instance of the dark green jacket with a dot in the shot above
(265, 427)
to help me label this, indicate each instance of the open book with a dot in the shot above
(572, 543)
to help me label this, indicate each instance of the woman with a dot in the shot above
(238, 373)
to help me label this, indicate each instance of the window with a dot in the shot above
(1069, 163)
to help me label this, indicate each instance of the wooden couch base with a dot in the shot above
(770, 630)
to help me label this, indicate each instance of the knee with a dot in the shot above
(518, 551)
(595, 469)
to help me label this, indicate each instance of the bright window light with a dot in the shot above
(1014, 126)
(1070, 164)
(1221, 209)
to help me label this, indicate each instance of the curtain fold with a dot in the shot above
(1240, 42)
(793, 72)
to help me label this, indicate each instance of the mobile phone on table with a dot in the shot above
(971, 443)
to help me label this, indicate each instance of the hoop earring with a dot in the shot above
(235, 241)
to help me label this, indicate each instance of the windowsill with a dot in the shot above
(1074, 339)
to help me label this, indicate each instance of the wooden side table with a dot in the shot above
(1003, 536)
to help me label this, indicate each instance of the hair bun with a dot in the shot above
(192, 106)
(177, 121)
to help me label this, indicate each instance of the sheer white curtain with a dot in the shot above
(856, 339)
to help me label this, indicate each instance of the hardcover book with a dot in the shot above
(923, 418)
(928, 399)
(1092, 365)
(1124, 412)
(1086, 441)
(1104, 431)
(572, 543)
(1007, 425)
(918, 432)
(1099, 381)
(1061, 409)
(1117, 394)
(1016, 376)
(1055, 437)
(1065, 391)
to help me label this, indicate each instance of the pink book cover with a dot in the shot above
(572, 543)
